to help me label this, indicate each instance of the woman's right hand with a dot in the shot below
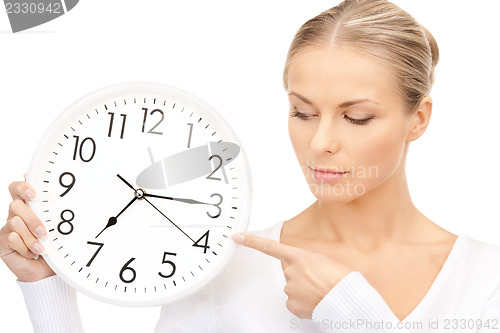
(19, 246)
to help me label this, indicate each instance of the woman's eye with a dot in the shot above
(301, 115)
(358, 121)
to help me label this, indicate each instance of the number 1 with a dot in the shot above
(190, 133)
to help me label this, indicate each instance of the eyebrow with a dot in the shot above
(302, 98)
(358, 101)
(342, 105)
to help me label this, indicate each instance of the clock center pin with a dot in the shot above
(139, 193)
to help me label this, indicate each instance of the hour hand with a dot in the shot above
(114, 219)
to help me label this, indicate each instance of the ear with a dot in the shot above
(420, 119)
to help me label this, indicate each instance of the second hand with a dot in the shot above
(169, 219)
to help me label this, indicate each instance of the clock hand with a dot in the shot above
(142, 196)
(114, 219)
(189, 201)
(123, 180)
(175, 225)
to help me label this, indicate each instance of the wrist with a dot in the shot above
(34, 276)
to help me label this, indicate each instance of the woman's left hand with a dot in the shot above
(309, 276)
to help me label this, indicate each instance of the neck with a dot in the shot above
(385, 214)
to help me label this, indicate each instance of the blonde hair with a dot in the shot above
(382, 31)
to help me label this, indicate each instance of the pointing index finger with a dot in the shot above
(267, 246)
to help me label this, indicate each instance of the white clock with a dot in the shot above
(140, 186)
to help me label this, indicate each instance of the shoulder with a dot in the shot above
(478, 262)
(481, 252)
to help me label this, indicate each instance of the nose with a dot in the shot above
(325, 138)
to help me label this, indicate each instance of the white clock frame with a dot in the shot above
(36, 177)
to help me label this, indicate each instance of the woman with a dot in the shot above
(362, 258)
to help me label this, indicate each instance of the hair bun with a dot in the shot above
(434, 47)
(434, 51)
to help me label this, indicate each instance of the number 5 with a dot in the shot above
(165, 261)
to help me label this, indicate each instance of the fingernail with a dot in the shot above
(32, 255)
(37, 248)
(29, 195)
(238, 238)
(40, 231)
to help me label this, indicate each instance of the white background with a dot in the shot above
(231, 54)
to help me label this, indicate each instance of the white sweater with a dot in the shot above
(248, 296)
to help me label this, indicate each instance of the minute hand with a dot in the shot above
(189, 201)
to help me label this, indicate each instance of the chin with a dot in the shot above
(336, 193)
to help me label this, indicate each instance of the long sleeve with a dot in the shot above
(52, 306)
(353, 305)
(191, 314)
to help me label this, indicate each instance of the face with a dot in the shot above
(347, 125)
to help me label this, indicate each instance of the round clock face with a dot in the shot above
(140, 186)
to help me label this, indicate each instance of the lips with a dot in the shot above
(327, 175)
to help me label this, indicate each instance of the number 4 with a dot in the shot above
(205, 247)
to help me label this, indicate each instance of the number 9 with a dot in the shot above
(67, 186)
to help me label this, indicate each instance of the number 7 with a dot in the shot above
(96, 252)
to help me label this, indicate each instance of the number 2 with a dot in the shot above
(216, 168)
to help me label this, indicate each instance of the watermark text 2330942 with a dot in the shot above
(25, 14)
